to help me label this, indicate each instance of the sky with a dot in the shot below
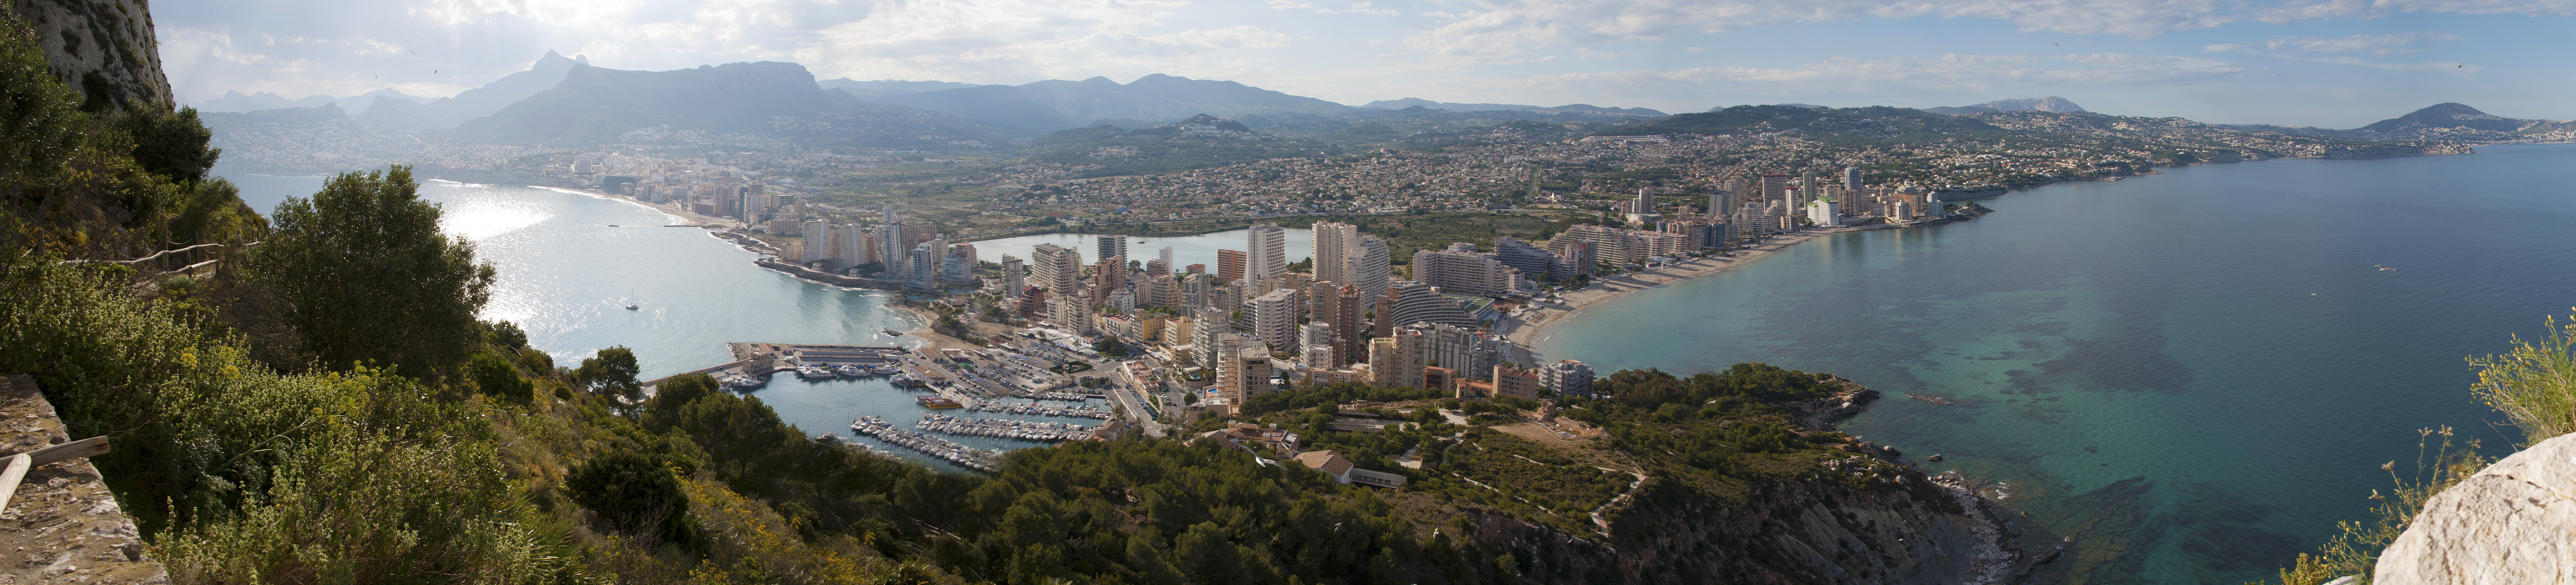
(2326, 63)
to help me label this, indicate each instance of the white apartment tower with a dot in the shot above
(1334, 243)
(1370, 267)
(1267, 245)
(1056, 268)
(1014, 276)
(1274, 317)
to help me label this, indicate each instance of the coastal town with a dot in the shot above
(1140, 343)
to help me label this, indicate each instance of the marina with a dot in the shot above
(1003, 428)
(943, 449)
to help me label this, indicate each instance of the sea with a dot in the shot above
(570, 262)
(2186, 377)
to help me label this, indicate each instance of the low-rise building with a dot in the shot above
(1343, 471)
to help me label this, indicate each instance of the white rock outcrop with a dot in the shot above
(2513, 523)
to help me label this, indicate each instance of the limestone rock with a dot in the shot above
(2513, 523)
(102, 48)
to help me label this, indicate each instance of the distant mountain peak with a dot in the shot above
(2447, 115)
(2038, 104)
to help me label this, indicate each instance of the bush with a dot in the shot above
(632, 493)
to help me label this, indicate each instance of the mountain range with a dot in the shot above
(882, 88)
(234, 101)
(2044, 104)
(1057, 104)
(2445, 121)
(1456, 107)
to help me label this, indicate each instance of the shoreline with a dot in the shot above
(1525, 328)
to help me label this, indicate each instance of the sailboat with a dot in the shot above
(630, 306)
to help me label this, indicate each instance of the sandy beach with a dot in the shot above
(1525, 327)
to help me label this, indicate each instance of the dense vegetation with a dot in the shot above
(1112, 150)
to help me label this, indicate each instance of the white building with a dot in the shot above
(1824, 212)
(1267, 248)
(1014, 276)
(1274, 317)
(1566, 378)
(1334, 243)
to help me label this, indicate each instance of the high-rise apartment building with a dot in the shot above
(1851, 177)
(1825, 212)
(1398, 358)
(1014, 276)
(1775, 188)
(1230, 265)
(1409, 302)
(1266, 251)
(1470, 351)
(1344, 314)
(1370, 266)
(1112, 247)
(1057, 268)
(1462, 270)
(1532, 261)
(1274, 317)
(1210, 323)
(1165, 255)
(1334, 243)
(1567, 378)
(817, 242)
(1643, 204)
(1242, 369)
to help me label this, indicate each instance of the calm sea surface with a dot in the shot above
(2192, 375)
(566, 277)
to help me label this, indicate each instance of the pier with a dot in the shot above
(1003, 428)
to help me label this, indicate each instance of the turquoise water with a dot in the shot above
(2193, 375)
(565, 277)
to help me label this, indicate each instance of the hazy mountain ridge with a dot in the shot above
(2442, 121)
(1058, 104)
(1399, 104)
(2040, 104)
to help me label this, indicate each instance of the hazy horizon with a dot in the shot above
(2328, 64)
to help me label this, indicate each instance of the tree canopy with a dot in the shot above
(370, 276)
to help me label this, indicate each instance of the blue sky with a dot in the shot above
(2331, 63)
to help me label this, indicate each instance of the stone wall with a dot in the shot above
(63, 525)
(2513, 523)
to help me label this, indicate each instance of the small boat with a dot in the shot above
(810, 372)
(936, 402)
(892, 332)
(747, 382)
(851, 371)
(630, 306)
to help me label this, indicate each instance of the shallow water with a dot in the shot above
(566, 277)
(2194, 374)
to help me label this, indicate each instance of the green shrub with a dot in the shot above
(633, 493)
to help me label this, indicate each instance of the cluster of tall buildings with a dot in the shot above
(1251, 321)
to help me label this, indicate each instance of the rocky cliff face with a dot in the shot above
(1894, 529)
(103, 49)
(2513, 522)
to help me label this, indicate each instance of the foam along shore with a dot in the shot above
(1525, 327)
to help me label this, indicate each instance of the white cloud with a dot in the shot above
(1479, 30)
(1843, 74)
(2341, 49)
(2415, 42)
(1356, 8)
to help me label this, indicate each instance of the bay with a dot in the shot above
(566, 276)
(2190, 375)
